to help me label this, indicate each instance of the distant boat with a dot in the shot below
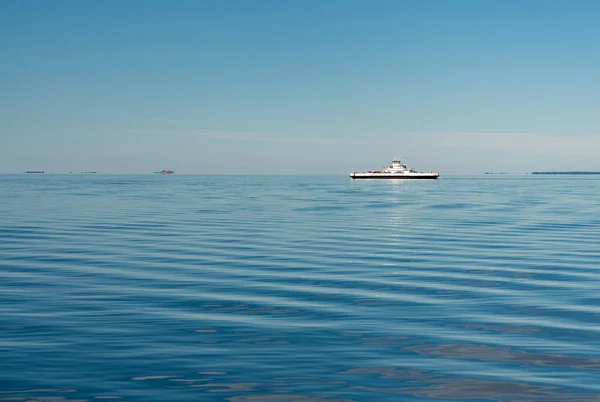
(166, 172)
(395, 170)
(35, 171)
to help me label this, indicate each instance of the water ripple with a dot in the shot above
(299, 289)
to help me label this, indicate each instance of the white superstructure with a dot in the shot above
(395, 170)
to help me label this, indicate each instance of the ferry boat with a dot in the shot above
(395, 170)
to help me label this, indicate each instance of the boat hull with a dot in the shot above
(417, 176)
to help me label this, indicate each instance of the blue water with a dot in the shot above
(282, 288)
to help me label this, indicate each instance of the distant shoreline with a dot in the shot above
(575, 172)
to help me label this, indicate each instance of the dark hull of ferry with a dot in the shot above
(393, 177)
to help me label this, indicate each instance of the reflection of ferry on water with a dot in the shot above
(395, 170)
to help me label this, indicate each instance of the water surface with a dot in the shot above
(284, 288)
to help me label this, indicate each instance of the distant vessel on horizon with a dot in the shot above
(395, 170)
(166, 172)
(35, 171)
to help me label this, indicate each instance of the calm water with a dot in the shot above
(208, 288)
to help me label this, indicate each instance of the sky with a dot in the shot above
(299, 86)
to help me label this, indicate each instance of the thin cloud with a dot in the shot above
(523, 142)
(234, 136)
(532, 143)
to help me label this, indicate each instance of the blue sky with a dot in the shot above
(289, 86)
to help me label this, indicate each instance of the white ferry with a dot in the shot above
(395, 170)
